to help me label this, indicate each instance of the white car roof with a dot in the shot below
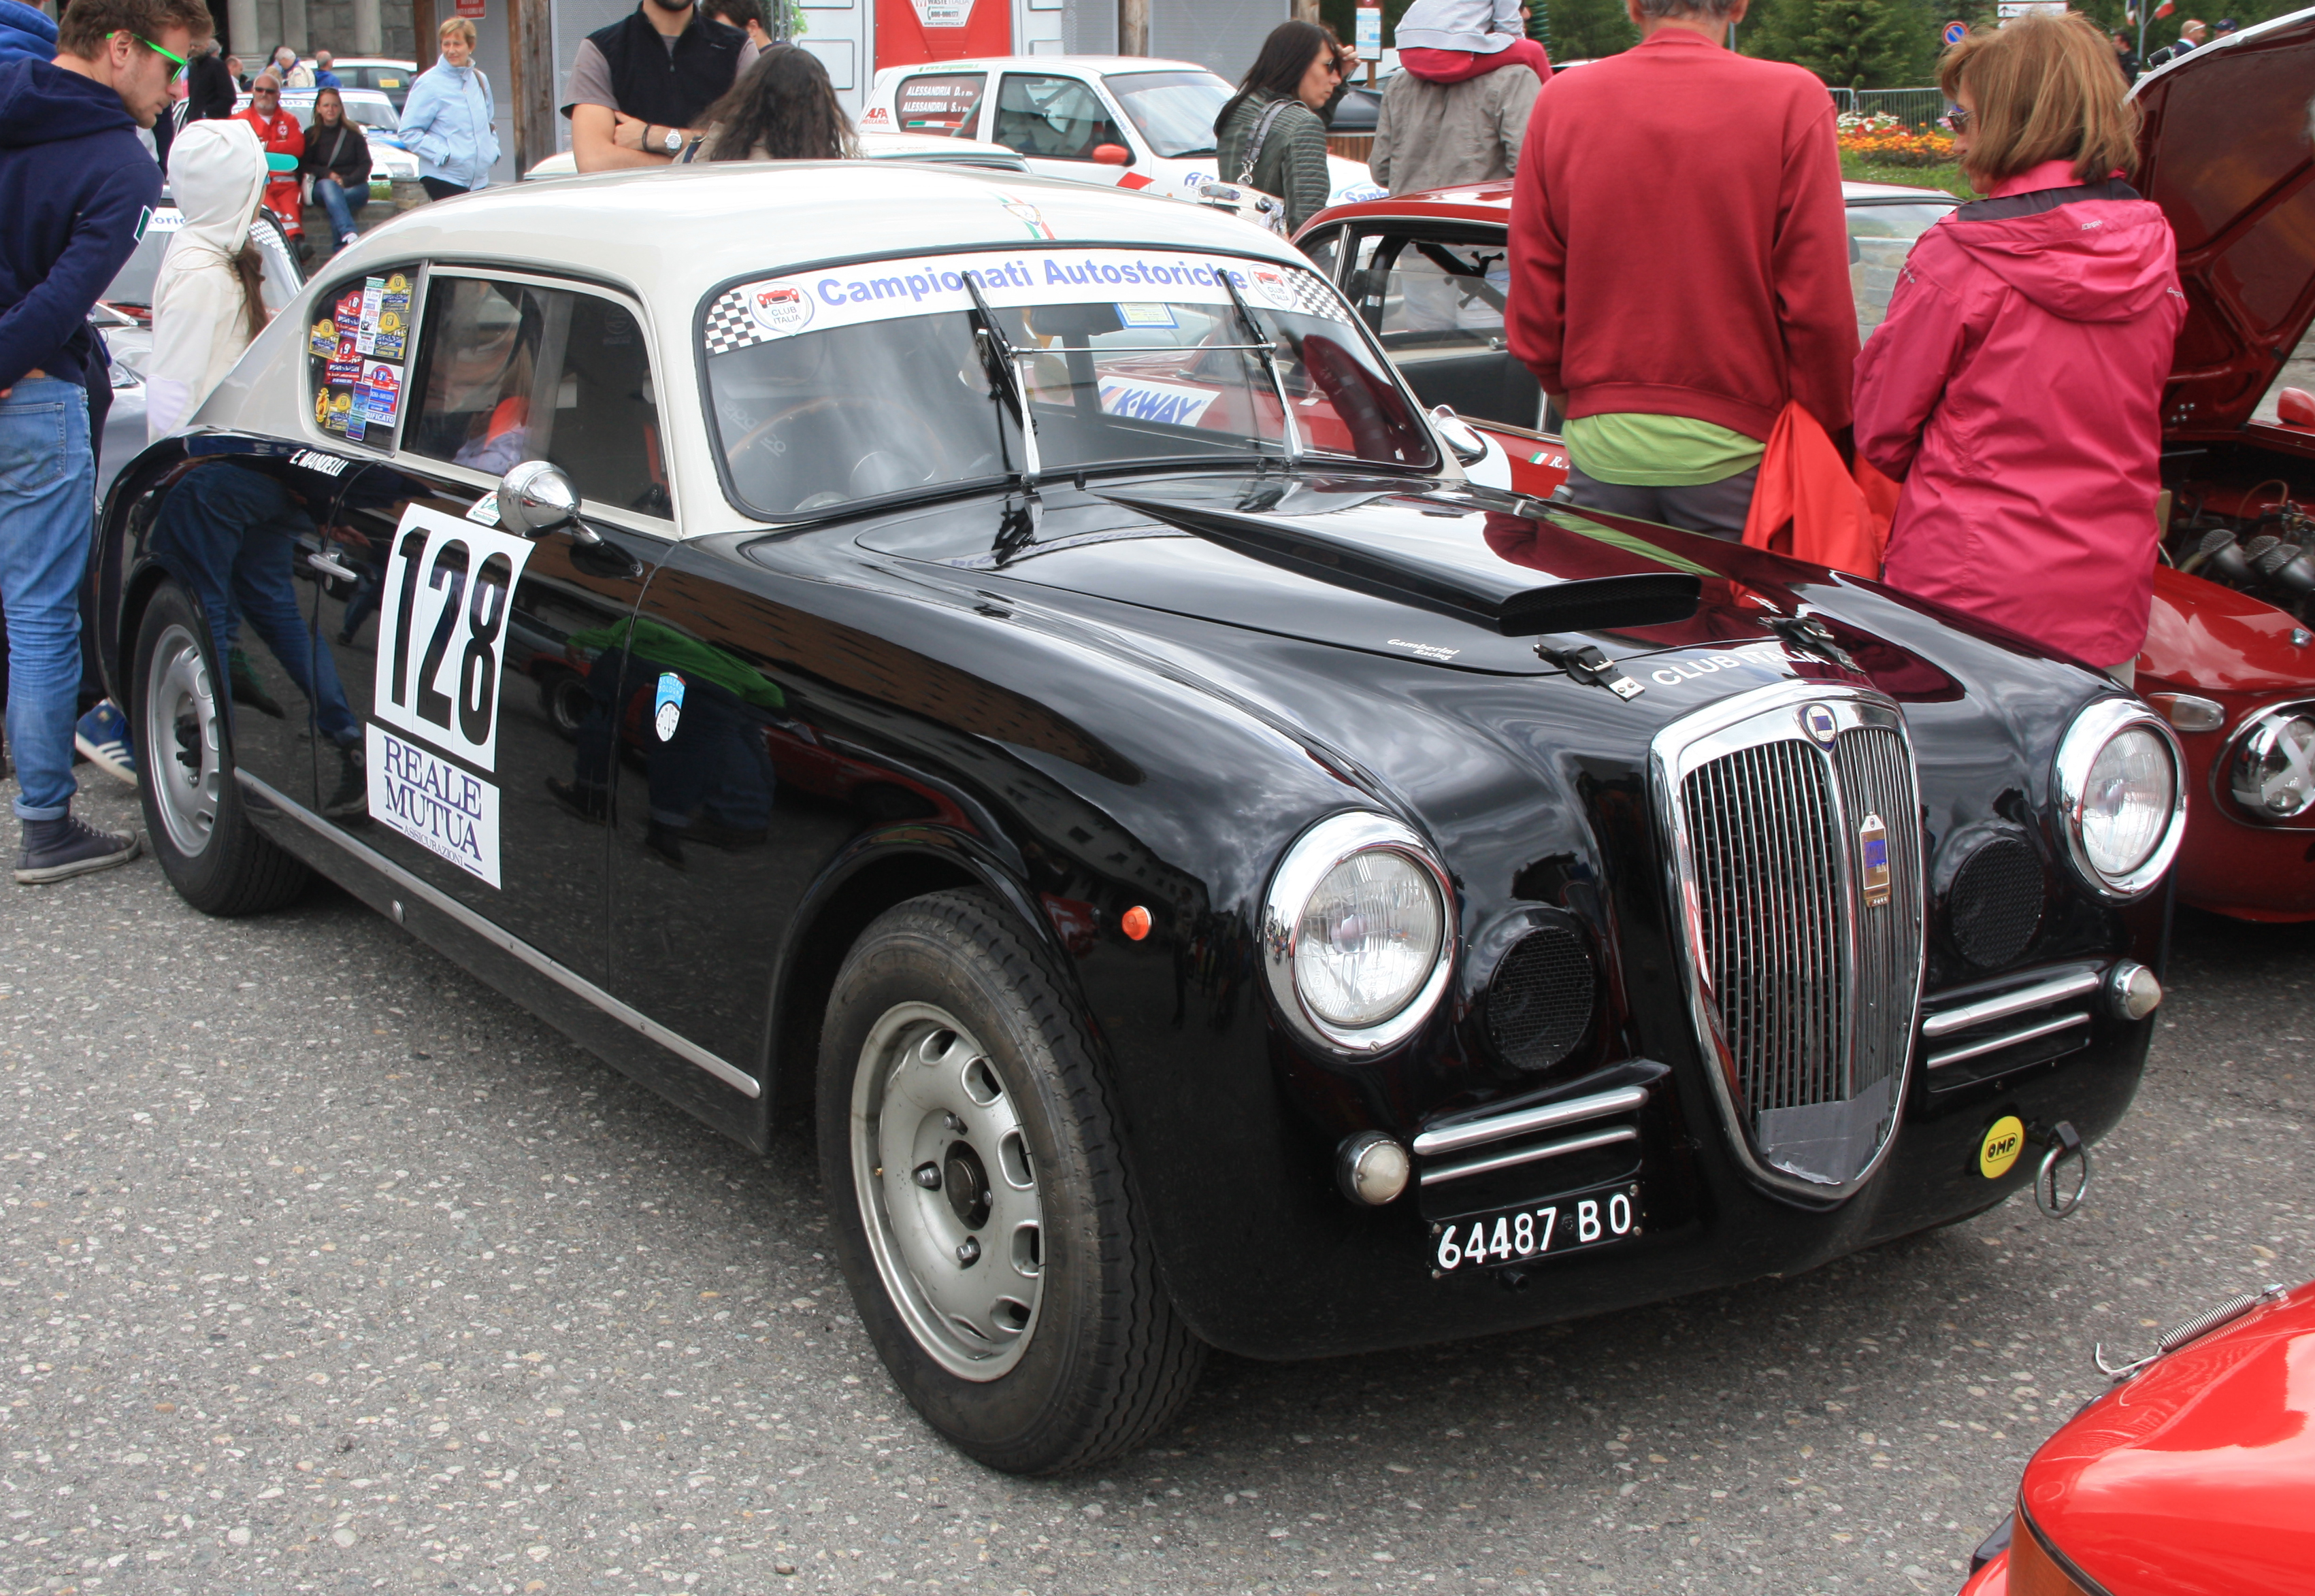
(1095, 65)
(671, 235)
(1865, 190)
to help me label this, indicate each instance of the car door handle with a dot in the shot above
(327, 564)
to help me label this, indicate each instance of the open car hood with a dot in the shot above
(2227, 154)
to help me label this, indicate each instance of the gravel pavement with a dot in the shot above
(325, 1268)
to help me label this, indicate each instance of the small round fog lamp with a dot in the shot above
(1371, 1168)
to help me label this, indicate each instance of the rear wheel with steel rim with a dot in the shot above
(179, 723)
(979, 1204)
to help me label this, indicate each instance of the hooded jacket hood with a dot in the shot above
(25, 34)
(42, 104)
(217, 173)
(2091, 259)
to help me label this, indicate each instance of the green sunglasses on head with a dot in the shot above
(183, 65)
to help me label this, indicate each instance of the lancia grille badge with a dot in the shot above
(1816, 720)
(1873, 857)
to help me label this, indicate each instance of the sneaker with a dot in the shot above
(102, 739)
(664, 843)
(351, 799)
(58, 850)
(714, 833)
(247, 689)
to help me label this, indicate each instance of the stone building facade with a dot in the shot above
(251, 28)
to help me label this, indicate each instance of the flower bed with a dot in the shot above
(1884, 140)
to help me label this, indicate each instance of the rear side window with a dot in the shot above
(513, 371)
(941, 104)
(358, 354)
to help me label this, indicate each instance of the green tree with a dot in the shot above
(1873, 44)
(1587, 29)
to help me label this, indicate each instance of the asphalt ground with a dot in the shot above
(325, 1268)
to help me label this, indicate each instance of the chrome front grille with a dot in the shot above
(1762, 820)
(1795, 821)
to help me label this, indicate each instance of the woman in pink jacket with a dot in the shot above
(2015, 387)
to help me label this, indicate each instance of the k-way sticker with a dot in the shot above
(442, 638)
(1155, 401)
(881, 290)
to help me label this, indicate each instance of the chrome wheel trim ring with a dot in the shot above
(924, 1093)
(181, 748)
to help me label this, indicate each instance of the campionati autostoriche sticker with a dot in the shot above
(667, 710)
(442, 635)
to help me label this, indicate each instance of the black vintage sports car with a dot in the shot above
(1009, 670)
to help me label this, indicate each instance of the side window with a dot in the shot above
(941, 104)
(358, 352)
(1437, 304)
(1052, 118)
(508, 372)
(1323, 251)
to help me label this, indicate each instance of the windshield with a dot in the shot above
(1880, 236)
(1175, 111)
(877, 379)
(132, 285)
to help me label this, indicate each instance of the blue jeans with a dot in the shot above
(228, 534)
(48, 510)
(333, 198)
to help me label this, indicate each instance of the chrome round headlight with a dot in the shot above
(2122, 800)
(2271, 771)
(1357, 932)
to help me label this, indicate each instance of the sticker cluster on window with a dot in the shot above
(431, 743)
(361, 346)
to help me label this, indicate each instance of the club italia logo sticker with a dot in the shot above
(781, 307)
(667, 712)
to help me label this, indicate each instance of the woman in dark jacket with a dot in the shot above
(336, 167)
(1299, 72)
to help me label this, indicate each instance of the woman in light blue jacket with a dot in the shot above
(445, 122)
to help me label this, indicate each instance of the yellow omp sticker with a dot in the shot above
(2000, 1150)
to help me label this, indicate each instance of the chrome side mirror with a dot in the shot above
(536, 498)
(1469, 448)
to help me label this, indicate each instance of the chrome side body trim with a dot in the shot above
(1994, 1044)
(1985, 1011)
(569, 979)
(1487, 1162)
(1550, 1116)
(1867, 991)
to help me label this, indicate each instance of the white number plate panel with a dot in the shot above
(442, 633)
(1536, 1230)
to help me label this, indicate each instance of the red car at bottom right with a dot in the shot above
(2193, 1476)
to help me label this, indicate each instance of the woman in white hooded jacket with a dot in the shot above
(208, 300)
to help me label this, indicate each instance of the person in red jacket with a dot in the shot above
(277, 130)
(2016, 385)
(1680, 266)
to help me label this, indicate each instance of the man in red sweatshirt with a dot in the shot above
(1680, 266)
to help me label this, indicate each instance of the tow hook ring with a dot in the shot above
(2065, 1142)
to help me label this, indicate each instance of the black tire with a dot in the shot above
(1105, 1363)
(194, 818)
(564, 695)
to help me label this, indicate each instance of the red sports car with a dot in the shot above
(2192, 1476)
(2229, 154)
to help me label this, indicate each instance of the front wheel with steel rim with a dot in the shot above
(979, 1206)
(182, 731)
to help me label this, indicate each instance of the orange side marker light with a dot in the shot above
(1135, 922)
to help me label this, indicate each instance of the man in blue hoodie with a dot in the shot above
(77, 189)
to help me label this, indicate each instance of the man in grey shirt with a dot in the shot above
(1437, 136)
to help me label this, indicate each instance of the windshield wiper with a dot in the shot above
(1003, 362)
(1291, 439)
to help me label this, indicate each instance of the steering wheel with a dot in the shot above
(929, 441)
